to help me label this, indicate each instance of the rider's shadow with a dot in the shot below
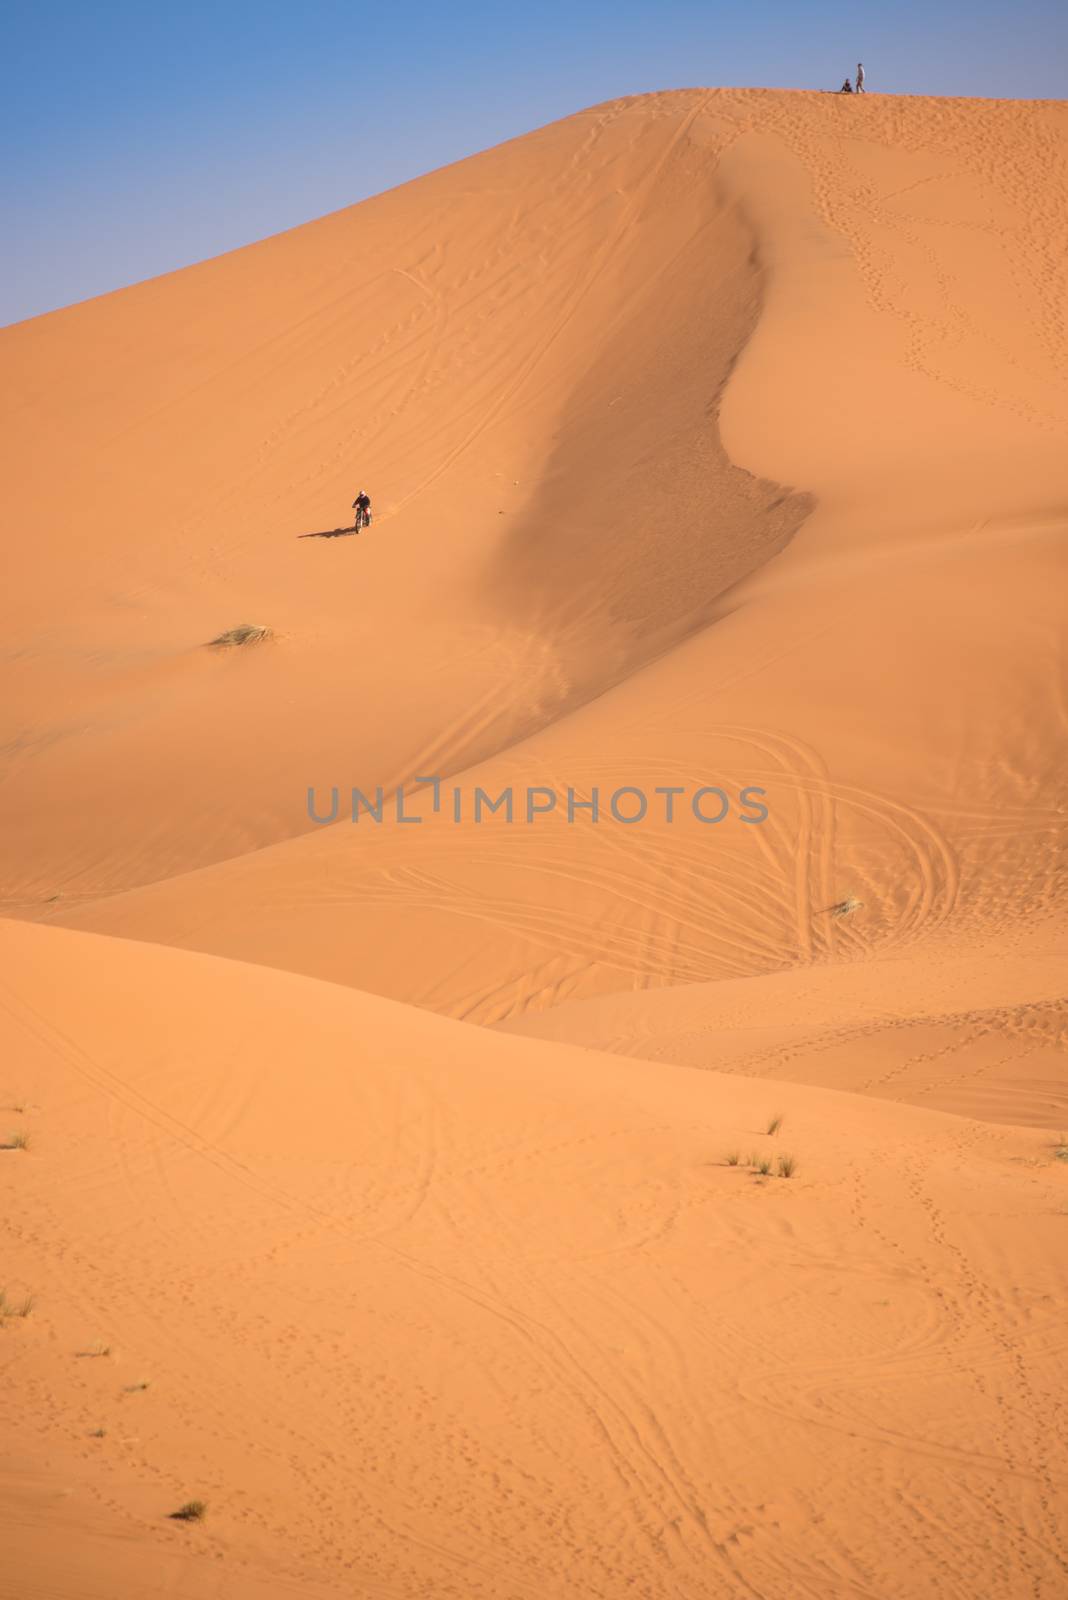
(328, 533)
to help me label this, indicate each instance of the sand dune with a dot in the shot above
(423, 1308)
(519, 356)
(716, 441)
(890, 678)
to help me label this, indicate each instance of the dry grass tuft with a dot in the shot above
(733, 1158)
(774, 1124)
(16, 1141)
(192, 1511)
(244, 633)
(11, 1308)
(787, 1166)
(844, 908)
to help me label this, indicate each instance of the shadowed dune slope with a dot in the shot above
(416, 1307)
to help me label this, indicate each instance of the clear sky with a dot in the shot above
(140, 136)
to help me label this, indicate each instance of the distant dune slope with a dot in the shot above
(417, 1308)
(981, 1034)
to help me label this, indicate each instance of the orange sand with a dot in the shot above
(715, 438)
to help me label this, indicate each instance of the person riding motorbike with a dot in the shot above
(362, 507)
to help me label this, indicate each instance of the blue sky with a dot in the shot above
(139, 137)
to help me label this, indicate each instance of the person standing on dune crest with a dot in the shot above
(860, 77)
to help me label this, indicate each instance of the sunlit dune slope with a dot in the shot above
(520, 357)
(420, 1308)
(893, 677)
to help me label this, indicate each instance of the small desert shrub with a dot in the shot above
(17, 1141)
(733, 1158)
(787, 1166)
(192, 1511)
(763, 1168)
(98, 1349)
(244, 633)
(99, 1433)
(136, 1388)
(774, 1125)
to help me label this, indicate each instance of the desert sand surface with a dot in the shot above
(422, 1308)
(379, 1181)
(981, 1035)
